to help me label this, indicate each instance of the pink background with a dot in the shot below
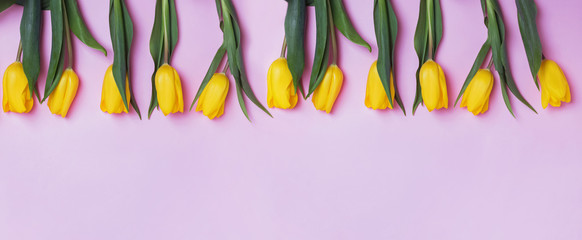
(354, 174)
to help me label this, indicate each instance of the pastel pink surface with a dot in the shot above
(354, 174)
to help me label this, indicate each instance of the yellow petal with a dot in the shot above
(17, 97)
(433, 86)
(444, 93)
(63, 95)
(476, 96)
(281, 91)
(326, 93)
(169, 90)
(376, 97)
(213, 97)
(555, 87)
(111, 101)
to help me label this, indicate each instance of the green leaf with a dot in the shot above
(156, 50)
(4, 4)
(232, 38)
(527, 12)
(343, 23)
(294, 35)
(476, 66)
(120, 48)
(497, 36)
(79, 28)
(128, 42)
(173, 29)
(421, 47)
(321, 46)
(211, 70)
(45, 3)
(30, 37)
(56, 63)
(384, 24)
(438, 24)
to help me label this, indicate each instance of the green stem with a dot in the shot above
(430, 12)
(490, 64)
(333, 36)
(68, 37)
(165, 13)
(226, 66)
(284, 47)
(19, 54)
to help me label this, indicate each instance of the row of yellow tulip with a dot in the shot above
(280, 91)
(283, 88)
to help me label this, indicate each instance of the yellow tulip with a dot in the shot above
(280, 89)
(169, 90)
(62, 97)
(212, 99)
(326, 93)
(555, 88)
(476, 96)
(376, 97)
(17, 97)
(111, 101)
(433, 86)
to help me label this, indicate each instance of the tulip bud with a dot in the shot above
(16, 93)
(476, 96)
(433, 86)
(62, 97)
(376, 97)
(111, 101)
(280, 89)
(169, 90)
(211, 101)
(326, 93)
(555, 88)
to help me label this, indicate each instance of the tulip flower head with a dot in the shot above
(555, 87)
(62, 97)
(433, 86)
(169, 90)
(326, 93)
(16, 93)
(213, 97)
(280, 89)
(476, 96)
(376, 97)
(111, 101)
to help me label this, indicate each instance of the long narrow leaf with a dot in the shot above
(320, 45)
(79, 28)
(420, 45)
(57, 22)
(476, 65)
(343, 23)
(30, 36)
(294, 34)
(527, 12)
(211, 70)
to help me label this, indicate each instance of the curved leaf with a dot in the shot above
(421, 47)
(294, 35)
(120, 47)
(476, 66)
(56, 63)
(526, 13)
(320, 59)
(343, 23)
(79, 28)
(211, 70)
(30, 36)
(156, 51)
